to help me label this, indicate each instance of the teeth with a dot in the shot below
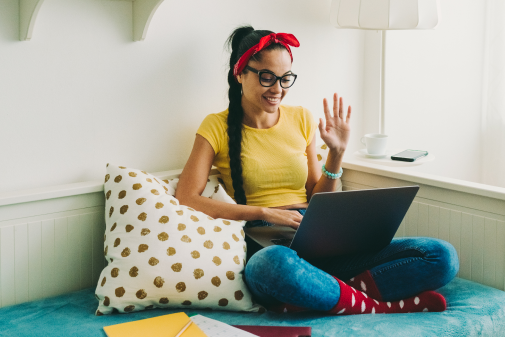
(272, 99)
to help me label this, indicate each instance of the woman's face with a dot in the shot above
(257, 98)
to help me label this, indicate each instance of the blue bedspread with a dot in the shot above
(473, 310)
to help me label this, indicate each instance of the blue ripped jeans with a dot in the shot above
(406, 267)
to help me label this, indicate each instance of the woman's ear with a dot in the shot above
(239, 78)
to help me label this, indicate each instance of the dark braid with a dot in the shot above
(240, 41)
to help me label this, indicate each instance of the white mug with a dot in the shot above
(375, 143)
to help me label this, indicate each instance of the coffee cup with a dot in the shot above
(375, 143)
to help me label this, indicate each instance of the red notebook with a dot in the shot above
(277, 331)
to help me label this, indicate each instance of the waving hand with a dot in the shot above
(337, 131)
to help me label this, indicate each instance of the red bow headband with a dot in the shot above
(285, 39)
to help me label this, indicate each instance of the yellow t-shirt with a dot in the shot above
(274, 160)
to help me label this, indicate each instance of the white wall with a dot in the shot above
(81, 94)
(434, 90)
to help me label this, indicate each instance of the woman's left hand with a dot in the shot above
(337, 131)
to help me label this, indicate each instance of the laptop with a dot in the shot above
(342, 223)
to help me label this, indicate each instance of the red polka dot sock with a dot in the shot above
(354, 302)
(366, 284)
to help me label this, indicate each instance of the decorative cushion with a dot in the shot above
(165, 255)
(322, 153)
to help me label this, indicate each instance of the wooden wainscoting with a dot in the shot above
(51, 254)
(51, 240)
(473, 224)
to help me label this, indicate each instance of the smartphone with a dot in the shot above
(409, 155)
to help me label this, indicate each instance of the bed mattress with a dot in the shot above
(473, 310)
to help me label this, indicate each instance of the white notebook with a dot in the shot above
(213, 328)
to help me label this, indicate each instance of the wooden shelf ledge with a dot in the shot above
(28, 11)
(142, 13)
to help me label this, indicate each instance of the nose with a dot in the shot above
(276, 88)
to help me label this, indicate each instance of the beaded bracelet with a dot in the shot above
(332, 175)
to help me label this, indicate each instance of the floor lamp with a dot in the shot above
(385, 15)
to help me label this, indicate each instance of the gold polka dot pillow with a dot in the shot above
(322, 153)
(164, 255)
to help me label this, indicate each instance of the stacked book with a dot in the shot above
(181, 325)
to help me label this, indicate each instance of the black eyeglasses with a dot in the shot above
(268, 78)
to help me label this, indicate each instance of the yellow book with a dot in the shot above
(162, 326)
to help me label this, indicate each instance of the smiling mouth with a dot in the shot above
(273, 100)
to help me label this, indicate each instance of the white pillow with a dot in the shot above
(165, 255)
(322, 153)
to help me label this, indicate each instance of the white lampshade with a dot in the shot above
(385, 14)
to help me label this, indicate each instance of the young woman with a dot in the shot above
(266, 154)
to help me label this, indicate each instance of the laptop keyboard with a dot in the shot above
(282, 242)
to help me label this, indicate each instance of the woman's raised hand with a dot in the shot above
(337, 131)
